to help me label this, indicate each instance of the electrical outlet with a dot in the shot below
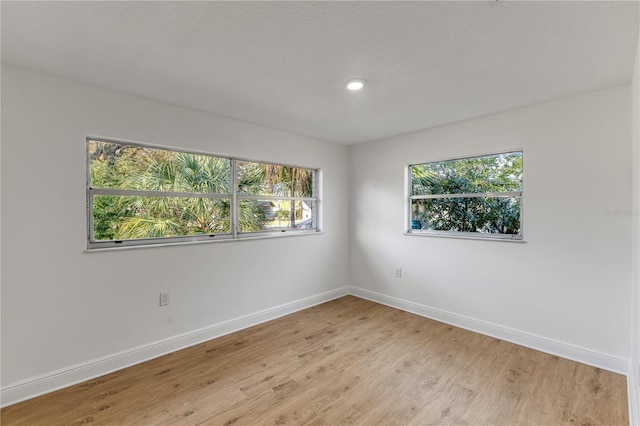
(164, 298)
(398, 272)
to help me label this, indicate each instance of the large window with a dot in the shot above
(478, 197)
(139, 195)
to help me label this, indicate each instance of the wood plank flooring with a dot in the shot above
(348, 361)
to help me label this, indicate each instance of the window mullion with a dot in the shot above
(235, 207)
(468, 195)
(90, 215)
(275, 197)
(292, 191)
(149, 193)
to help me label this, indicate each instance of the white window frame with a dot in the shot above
(409, 197)
(233, 196)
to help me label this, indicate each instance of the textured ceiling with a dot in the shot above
(284, 64)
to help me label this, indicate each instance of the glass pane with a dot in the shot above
(129, 217)
(491, 173)
(255, 215)
(120, 166)
(274, 180)
(273, 215)
(305, 217)
(493, 215)
(303, 182)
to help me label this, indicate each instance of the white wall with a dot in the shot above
(63, 307)
(634, 367)
(567, 289)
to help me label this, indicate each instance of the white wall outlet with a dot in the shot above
(164, 298)
(398, 272)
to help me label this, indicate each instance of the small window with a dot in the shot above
(285, 195)
(138, 195)
(477, 197)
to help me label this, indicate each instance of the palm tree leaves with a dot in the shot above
(134, 217)
(289, 181)
(274, 180)
(174, 215)
(149, 227)
(201, 173)
(422, 180)
(251, 178)
(143, 192)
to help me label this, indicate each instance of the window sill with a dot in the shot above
(251, 237)
(465, 236)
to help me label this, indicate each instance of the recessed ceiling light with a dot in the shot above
(355, 84)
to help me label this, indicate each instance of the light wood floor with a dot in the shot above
(348, 361)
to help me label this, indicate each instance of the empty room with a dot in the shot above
(322, 213)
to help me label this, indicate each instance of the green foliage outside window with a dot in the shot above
(124, 216)
(478, 195)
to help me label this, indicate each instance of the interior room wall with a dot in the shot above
(71, 313)
(65, 311)
(566, 289)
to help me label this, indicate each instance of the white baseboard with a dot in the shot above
(36, 386)
(543, 344)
